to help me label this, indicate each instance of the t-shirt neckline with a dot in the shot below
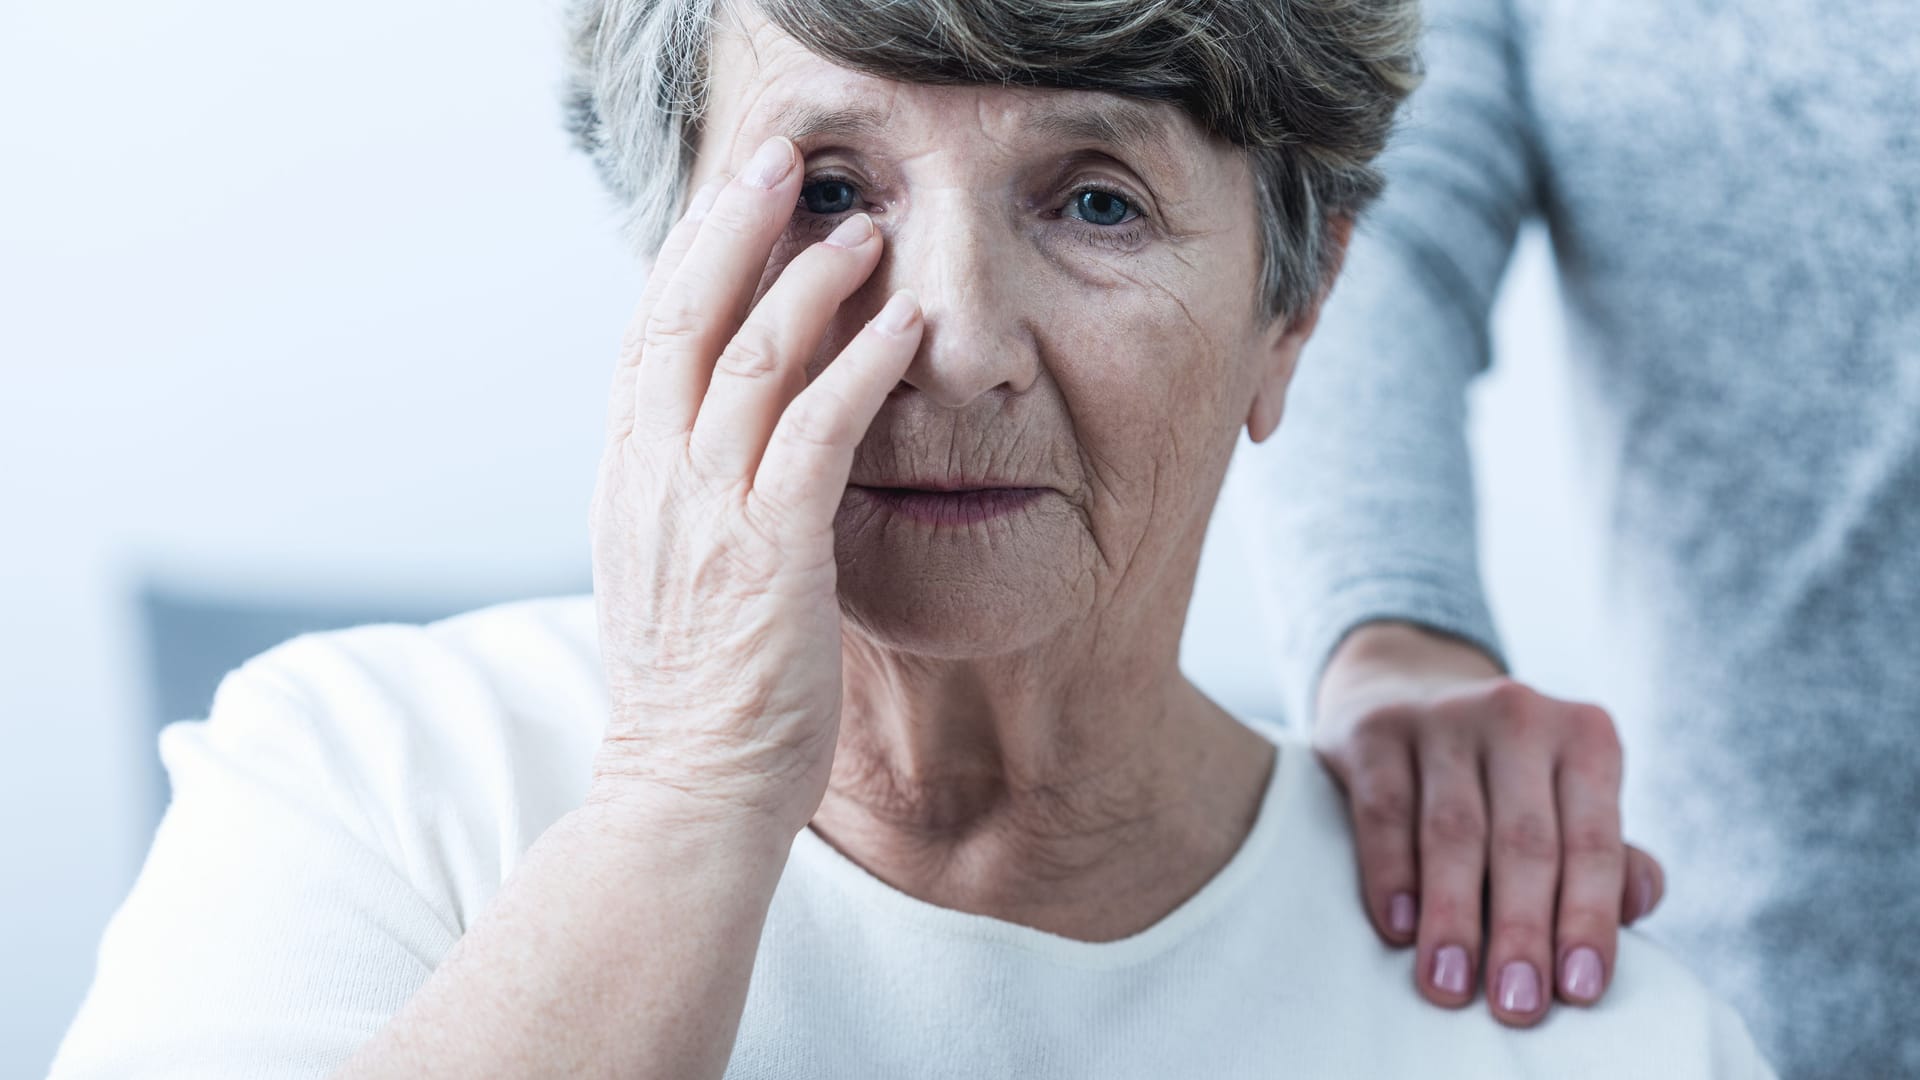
(814, 856)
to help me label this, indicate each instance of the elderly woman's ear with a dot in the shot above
(1289, 335)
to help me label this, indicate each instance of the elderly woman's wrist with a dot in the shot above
(647, 805)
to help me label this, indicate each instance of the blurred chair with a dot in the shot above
(196, 633)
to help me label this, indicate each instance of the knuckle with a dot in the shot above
(1454, 823)
(1585, 923)
(742, 213)
(1526, 837)
(750, 355)
(675, 320)
(633, 344)
(735, 211)
(813, 421)
(1508, 698)
(1593, 729)
(1596, 768)
(1385, 723)
(1520, 933)
(1451, 914)
(1518, 726)
(1589, 840)
(1384, 807)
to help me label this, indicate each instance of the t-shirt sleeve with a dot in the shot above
(1737, 1048)
(267, 935)
(1365, 508)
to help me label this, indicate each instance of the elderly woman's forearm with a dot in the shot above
(618, 948)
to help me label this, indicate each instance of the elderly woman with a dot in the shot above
(869, 755)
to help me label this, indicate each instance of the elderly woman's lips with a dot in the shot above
(962, 507)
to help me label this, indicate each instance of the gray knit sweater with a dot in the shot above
(1733, 193)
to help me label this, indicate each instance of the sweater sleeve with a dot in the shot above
(267, 936)
(1365, 508)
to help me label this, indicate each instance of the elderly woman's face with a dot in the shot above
(1087, 267)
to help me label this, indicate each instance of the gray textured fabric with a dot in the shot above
(1733, 192)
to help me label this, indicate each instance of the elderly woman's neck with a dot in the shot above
(1088, 806)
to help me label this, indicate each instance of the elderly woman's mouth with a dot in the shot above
(950, 506)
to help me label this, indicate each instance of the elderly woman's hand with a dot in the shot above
(1460, 781)
(714, 579)
(712, 522)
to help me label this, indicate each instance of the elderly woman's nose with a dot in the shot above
(978, 335)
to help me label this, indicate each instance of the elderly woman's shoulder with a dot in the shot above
(467, 678)
(447, 746)
(1658, 1019)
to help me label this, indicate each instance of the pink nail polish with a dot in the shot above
(1580, 974)
(1450, 970)
(1519, 988)
(1402, 916)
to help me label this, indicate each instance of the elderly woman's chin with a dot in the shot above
(956, 576)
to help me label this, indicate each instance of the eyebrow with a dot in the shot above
(1119, 124)
(799, 121)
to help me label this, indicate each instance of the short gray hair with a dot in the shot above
(1308, 88)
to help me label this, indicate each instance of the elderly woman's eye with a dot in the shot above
(827, 196)
(1098, 207)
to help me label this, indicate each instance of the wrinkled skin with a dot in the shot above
(979, 713)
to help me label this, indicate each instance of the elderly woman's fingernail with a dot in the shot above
(1519, 988)
(852, 232)
(1580, 974)
(703, 199)
(771, 163)
(1401, 914)
(1450, 970)
(898, 315)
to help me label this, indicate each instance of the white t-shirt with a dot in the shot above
(355, 799)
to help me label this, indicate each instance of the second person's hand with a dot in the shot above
(1475, 798)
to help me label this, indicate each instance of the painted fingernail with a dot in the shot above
(703, 199)
(852, 232)
(1450, 970)
(1580, 974)
(771, 163)
(1519, 988)
(898, 315)
(1401, 914)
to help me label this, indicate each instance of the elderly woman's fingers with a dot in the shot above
(1645, 883)
(1588, 783)
(620, 398)
(706, 297)
(764, 366)
(1524, 852)
(804, 472)
(1377, 769)
(1453, 865)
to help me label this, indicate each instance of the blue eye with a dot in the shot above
(1098, 207)
(828, 196)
